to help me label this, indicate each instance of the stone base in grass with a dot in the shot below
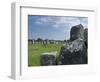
(48, 58)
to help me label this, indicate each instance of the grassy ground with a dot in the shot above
(34, 51)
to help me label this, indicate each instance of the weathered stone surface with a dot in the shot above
(48, 58)
(75, 50)
(86, 36)
(73, 53)
(77, 32)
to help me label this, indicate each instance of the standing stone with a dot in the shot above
(75, 50)
(86, 36)
(76, 32)
(86, 43)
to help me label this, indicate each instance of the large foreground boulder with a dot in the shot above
(75, 50)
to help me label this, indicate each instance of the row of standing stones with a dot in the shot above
(73, 52)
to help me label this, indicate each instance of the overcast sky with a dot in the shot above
(53, 27)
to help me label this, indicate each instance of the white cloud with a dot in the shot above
(46, 20)
(38, 22)
(62, 22)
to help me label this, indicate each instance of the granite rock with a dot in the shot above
(77, 32)
(75, 50)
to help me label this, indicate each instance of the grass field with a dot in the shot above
(34, 51)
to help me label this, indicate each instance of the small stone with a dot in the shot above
(48, 58)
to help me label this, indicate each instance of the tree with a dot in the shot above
(39, 39)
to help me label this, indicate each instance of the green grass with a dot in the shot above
(34, 51)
